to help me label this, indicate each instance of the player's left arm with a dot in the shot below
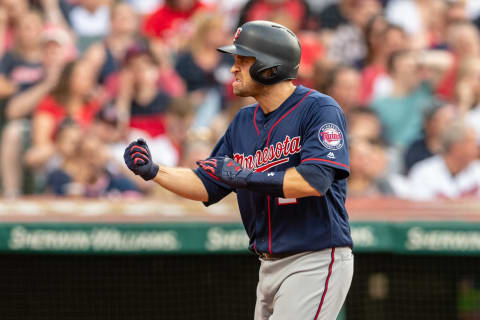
(324, 158)
(319, 180)
(295, 186)
(324, 154)
(285, 184)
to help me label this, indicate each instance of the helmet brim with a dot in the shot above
(237, 49)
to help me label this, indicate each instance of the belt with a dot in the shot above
(273, 256)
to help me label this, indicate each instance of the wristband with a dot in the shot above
(266, 182)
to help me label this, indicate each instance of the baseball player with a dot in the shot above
(286, 157)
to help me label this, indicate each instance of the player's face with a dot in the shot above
(244, 85)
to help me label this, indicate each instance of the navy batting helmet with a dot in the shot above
(274, 47)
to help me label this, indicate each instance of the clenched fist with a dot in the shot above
(138, 158)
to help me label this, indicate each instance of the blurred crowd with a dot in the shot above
(79, 79)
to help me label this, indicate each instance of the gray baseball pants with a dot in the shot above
(304, 286)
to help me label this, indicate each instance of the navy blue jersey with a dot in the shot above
(308, 128)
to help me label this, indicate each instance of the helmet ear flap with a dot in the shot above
(264, 74)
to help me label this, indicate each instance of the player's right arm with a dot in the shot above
(183, 182)
(193, 185)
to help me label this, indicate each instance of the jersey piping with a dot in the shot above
(325, 160)
(254, 119)
(286, 114)
(269, 227)
(265, 168)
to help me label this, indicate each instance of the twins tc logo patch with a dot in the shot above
(237, 34)
(331, 136)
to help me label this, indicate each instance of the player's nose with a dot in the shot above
(234, 69)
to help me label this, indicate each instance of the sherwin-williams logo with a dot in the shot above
(226, 239)
(442, 240)
(331, 136)
(364, 237)
(270, 156)
(96, 239)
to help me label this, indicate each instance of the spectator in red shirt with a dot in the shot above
(71, 98)
(142, 101)
(462, 40)
(106, 56)
(27, 73)
(21, 67)
(263, 10)
(205, 71)
(171, 21)
(382, 39)
(167, 147)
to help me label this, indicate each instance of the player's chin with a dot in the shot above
(241, 92)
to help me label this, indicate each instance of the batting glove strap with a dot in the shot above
(150, 173)
(229, 172)
(207, 176)
(225, 171)
(234, 175)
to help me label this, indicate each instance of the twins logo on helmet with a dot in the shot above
(237, 34)
(330, 136)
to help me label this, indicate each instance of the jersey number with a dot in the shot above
(284, 201)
